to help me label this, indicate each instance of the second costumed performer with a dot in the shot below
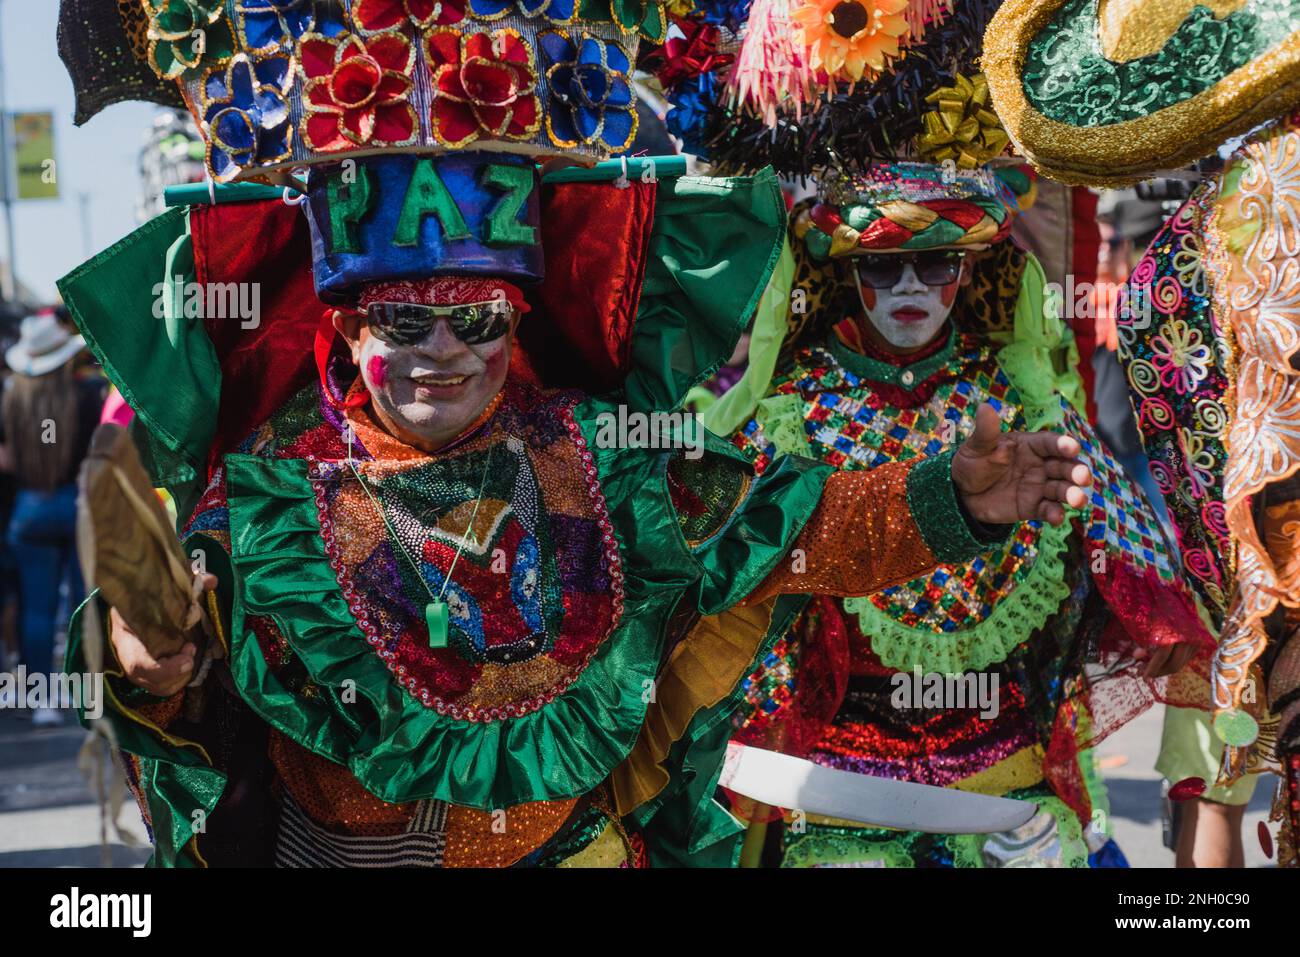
(444, 602)
(902, 321)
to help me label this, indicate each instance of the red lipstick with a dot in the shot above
(908, 314)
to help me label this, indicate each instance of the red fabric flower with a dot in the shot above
(358, 92)
(685, 57)
(483, 83)
(374, 16)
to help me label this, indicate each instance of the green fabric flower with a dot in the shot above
(185, 35)
(645, 17)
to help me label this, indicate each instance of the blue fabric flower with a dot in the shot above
(689, 116)
(728, 13)
(557, 11)
(591, 100)
(246, 111)
(267, 25)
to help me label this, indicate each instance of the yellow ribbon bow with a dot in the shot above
(964, 128)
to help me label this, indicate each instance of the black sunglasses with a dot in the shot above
(934, 268)
(408, 323)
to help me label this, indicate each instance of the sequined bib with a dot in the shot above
(537, 587)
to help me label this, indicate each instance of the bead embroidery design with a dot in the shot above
(1178, 371)
(849, 425)
(537, 590)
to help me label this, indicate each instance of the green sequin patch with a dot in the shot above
(1068, 79)
(706, 492)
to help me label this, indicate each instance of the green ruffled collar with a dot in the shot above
(905, 377)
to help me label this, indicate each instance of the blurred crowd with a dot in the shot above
(53, 397)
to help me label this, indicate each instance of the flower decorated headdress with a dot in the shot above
(279, 84)
(416, 123)
(805, 85)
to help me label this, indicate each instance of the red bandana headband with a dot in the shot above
(443, 291)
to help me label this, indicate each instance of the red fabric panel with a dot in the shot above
(596, 241)
(1086, 255)
(265, 243)
(961, 212)
(884, 234)
(826, 217)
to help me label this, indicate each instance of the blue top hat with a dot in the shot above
(403, 216)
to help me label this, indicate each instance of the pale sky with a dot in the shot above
(100, 158)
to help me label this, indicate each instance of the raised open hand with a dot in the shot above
(1007, 477)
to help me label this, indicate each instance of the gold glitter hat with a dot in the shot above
(1111, 93)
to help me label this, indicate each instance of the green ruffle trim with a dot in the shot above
(402, 751)
(833, 849)
(1094, 786)
(398, 749)
(1069, 830)
(835, 846)
(1013, 619)
(967, 850)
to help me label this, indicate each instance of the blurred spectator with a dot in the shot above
(49, 409)
(651, 134)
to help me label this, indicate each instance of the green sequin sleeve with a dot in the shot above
(951, 533)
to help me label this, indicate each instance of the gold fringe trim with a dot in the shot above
(702, 670)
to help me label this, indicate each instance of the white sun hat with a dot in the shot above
(43, 345)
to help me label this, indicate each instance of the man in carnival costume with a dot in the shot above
(453, 623)
(900, 308)
(1107, 96)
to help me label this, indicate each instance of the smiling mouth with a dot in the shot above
(434, 380)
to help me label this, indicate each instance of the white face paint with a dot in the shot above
(909, 314)
(431, 392)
